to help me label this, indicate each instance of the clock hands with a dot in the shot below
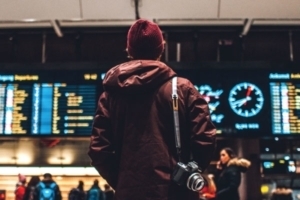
(246, 99)
(249, 89)
(243, 101)
(239, 103)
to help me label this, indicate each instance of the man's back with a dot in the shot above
(134, 131)
(95, 193)
(47, 190)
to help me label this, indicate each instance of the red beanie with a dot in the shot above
(22, 178)
(145, 40)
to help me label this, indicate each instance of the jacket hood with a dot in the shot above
(48, 181)
(137, 76)
(282, 191)
(241, 163)
(95, 186)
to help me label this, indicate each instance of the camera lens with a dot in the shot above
(198, 185)
(195, 182)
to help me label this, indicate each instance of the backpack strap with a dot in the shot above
(52, 185)
(42, 185)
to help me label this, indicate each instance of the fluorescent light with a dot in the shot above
(67, 160)
(20, 159)
(200, 22)
(277, 22)
(24, 158)
(55, 171)
(30, 20)
(95, 23)
(27, 23)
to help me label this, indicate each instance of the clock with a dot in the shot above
(246, 99)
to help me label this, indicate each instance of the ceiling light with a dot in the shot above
(267, 149)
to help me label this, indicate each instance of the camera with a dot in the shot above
(188, 174)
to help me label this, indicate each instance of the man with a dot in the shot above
(47, 189)
(20, 187)
(95, 192)
(133, 143)
(77, 193)
(109, 193)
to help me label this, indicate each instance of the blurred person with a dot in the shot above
(282, 193)
(77, 193)
(47, 189)
(95, 192)
(29, 193)
(133, 136)
(228, 178)
(209, 191)
(109, 193)
(20, 187)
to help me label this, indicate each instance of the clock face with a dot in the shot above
(246, 99)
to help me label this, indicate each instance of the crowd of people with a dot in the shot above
(48, 189)
(222, 185)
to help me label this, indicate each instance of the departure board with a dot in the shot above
(56, 102)
(32, 105)
(285, 103)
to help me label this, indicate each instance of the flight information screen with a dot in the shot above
(242, 102)
(48, 103)
(285, 103)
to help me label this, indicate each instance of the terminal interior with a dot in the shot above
(55, 54)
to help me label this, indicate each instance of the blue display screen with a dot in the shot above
(279, 166)
(48, 103)
(250, 102)
(242, 102)
(238, 100)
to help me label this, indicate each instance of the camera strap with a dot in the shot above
(176, 117)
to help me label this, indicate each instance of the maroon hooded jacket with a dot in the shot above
(133, 143)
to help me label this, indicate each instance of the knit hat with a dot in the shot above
(22, 178)
(145, 40)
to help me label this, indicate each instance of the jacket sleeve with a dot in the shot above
(36, 193)
(234, 178)
(101, 150)
(58, 193)
(27, 192)
(20, 193)
(203, 132)
(103, 196)
(87, 196)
